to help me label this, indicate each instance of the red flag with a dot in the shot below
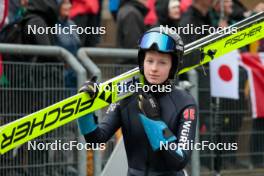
(3, 11)
(254, 64)
(1, 66)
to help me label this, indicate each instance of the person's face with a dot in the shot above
(65, 8)
(228, 6)
(144, 2)
(174, 12)
(157, 67)
(23, 3)
(206, 3)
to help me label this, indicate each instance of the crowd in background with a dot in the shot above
(132, 17)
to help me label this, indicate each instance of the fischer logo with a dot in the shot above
(50, 118)
(243, 36)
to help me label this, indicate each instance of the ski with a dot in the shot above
(215, 45)
(36, 124)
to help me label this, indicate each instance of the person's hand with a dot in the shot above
(156, 130)
(91, 88)
(259, 7)
(87, 123)
(148, 105)
(223, 23)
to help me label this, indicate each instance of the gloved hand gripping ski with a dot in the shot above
(87, 123)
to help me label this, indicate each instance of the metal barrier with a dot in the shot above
(28, 88)
(85, 54)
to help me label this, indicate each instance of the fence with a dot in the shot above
(27, 87)
(231, 123)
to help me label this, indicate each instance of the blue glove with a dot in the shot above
(87, 124)
(157, 131)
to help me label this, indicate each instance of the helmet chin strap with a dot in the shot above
(148, 83)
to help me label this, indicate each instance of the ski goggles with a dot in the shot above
(164, 42)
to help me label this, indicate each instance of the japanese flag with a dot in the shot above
(224, 73)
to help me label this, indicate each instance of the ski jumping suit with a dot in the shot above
(178, 111)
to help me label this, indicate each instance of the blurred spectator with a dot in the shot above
(130, 24)
(185, 4)
(221, 17)
(22, 9)
(40, 13)
(13, 6)
(17, 9)
(240, 11)
(197, 15)
(70, 41)
(261, 45)
(85, 14)
(113, 7)
(151, 17)
(98, 23)
(168, 12)
(13, 16)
